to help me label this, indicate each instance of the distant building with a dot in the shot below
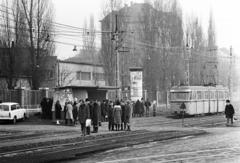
(138, 32)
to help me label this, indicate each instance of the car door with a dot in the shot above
(4, 111)
(20, 111)
(14, 111)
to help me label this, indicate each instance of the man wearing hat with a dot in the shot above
(229, 111)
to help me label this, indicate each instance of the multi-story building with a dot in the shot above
(140, 28)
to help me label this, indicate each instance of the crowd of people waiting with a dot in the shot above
(88, 113)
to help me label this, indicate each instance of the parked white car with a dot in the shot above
(11, 111)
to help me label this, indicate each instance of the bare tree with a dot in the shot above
(65, 76)
(39, 17)
(7, 37)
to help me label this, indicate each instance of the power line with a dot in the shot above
(61, 25)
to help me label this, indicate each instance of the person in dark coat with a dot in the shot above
(43, 105)
(49, 105)
(99, 113)
(95, 116)
(137, 107)
(229, 111)
(123, 117)
(110, 116)
(103, 111)
(147, 105)
(128, 114)
(83, 115)
(58, 109)
(141, 107)
(75, 112)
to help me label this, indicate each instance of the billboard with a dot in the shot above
(136, 83)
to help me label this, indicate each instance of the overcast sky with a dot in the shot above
(226, 15)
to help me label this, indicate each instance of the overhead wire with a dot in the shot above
(72, 31)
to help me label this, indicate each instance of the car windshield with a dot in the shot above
(4, 108)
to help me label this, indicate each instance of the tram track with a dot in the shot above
(187, 121)
(53, 152)
(34, 135)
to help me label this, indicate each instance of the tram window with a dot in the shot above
(193, 95)
(206, 95)
(220, 95)
(216, 95)
(180, 95)
(211, 95)
(199, 95)
(226, 95)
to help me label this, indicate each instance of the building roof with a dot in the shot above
(88, 87)
(85, 59)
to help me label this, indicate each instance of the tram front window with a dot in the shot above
(180, 96)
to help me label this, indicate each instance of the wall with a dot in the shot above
(68, 74)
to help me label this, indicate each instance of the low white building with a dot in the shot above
(83, 78)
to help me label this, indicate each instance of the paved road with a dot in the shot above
(209, 148)
(221, 145)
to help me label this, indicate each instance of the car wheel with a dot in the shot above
(15, 120)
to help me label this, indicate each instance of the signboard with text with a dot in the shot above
(136, 83)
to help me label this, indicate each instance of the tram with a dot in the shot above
(198, 99)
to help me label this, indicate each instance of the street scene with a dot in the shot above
(115, 81)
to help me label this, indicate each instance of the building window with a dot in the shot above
(78, 75)
(85, 75)
(99, 76)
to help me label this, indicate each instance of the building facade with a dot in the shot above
(83, 78)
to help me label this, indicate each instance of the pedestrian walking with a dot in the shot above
(123, 117)
(75, 113)
(95, 116)
(110, 117)
(58, 109)
(83, 115)
(103, 111)
(137, 108)
(128, 113)
(229, 112)
(147, 106)
(117, 112)
(69, 113)
(142, 107)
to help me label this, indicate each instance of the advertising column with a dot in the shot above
(136, 83)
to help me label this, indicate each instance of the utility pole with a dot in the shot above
(230, 74)
(187, 64)
(117, 82)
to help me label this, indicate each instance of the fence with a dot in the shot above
(26, 98)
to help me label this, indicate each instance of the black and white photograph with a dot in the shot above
(119, 81)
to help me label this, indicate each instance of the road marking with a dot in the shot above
(172, 154)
